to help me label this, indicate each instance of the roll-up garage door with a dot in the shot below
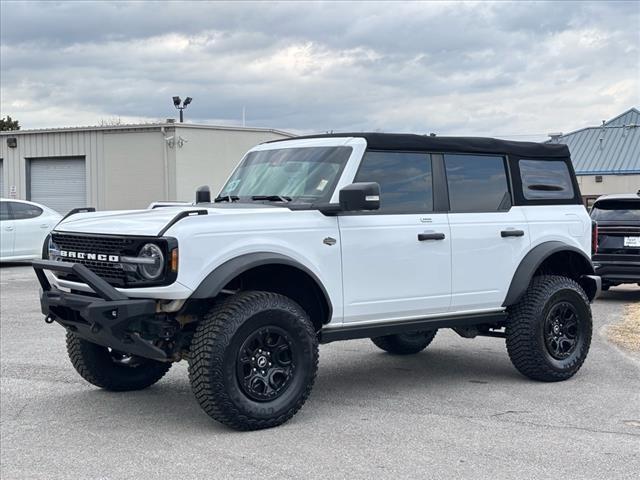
(58, 183)
(1, 179)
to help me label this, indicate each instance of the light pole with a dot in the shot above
(176, 103)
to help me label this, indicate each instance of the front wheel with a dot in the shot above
(111, 369)
(253, 360)
(549, 330)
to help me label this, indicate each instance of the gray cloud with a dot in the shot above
(453, 68)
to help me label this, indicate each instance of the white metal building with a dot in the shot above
(121, 167)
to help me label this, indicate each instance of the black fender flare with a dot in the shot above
(530, 263)
(213, 283)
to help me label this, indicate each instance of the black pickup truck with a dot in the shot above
(616, 255)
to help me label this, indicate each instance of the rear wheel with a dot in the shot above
(253, 360)
(549, 330)
(405, 343)
(111, 369)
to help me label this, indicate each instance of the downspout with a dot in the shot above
(165, 161)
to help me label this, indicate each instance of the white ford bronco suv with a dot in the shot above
(325, 238)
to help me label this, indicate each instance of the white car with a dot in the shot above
(23, 228)
(318, 239)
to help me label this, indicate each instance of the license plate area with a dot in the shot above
(632, 241)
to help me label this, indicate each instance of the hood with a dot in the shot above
(143, 222)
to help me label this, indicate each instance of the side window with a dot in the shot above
(545, 179)
(406, 184)
(22, 211)
(5, 214)
(476, 183)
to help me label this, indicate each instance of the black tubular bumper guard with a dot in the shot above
(103, 319)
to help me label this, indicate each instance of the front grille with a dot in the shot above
(81, 243)
(116, 273)
(112, 272)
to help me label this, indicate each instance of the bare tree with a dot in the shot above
(111, 122)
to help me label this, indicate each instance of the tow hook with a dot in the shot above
(50, 319)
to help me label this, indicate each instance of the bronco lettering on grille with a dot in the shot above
(101, 257)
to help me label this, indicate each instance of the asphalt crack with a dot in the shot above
(570, 427)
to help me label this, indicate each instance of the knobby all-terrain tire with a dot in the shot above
(525, 336)
(222, 335)
(405, 343)
(97, 366)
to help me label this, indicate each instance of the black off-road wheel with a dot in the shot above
(549, 330)
(405, 343)
(253, 360)
(110, 369)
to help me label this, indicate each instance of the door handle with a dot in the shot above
(8, 228)
(430, 236)
(512, 233)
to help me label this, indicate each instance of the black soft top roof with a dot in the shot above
(405, 141)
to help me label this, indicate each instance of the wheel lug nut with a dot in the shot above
(262, 372)
(255, 369)
(269, 363)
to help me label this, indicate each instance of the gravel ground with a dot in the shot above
(626, 333)
(457, 410)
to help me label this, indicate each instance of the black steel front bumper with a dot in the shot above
(105, 318)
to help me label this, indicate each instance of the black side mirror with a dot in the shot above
(360, 196)
(203, 194)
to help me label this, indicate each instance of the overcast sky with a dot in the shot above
(505, 69)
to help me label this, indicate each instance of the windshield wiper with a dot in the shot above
(272, 198)
(226, 198)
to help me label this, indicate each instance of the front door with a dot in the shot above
(396, 261)
(31, 228)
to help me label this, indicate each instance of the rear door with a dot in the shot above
(489, 236)
(7, 230)
(396, 261)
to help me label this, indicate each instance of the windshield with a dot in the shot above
(616, 210)
(288, 174)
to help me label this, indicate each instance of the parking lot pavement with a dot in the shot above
(457, 410)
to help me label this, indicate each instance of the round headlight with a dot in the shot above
(152, 268)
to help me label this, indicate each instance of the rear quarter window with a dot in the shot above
(546, 180)
(23, 211)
